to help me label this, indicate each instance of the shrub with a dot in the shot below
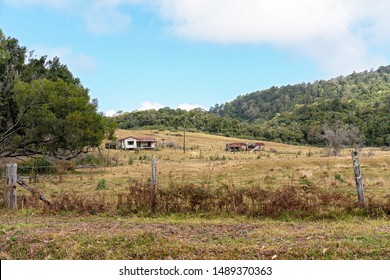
(101, 185)
(90, 159)
(339, 178)
(39, 165)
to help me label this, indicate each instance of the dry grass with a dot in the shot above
(33, 235)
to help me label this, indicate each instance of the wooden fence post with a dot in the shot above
(358, 178)
(10, 192)
(154, 184)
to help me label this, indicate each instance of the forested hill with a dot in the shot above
(291, 114)
(297, 113)
(263, 105)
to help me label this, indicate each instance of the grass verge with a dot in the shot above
(28, 234)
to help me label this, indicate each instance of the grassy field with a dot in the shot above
(32, 235)
(283, 202)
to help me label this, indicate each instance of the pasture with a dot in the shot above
(282, 202)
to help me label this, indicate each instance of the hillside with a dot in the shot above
(297, 113)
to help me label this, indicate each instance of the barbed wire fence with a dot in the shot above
(41, 175)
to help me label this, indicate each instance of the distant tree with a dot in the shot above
(387, 140)
(341, 135)
(110, 127)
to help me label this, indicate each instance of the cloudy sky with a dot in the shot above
(141, 54)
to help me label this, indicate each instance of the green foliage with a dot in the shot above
(194, 120)
(101, 185)
(130, 160)
(304, 181)
(339, 178)
(39, 165)
(90, 159)
(59, 119)
(11, 62)
(110, 127)
(43, 108)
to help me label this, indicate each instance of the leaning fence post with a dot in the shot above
(154, 184)
(10, 192)
(358, 178)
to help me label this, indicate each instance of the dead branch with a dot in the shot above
(36, 193)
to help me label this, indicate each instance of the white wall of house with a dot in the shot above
(128, 143)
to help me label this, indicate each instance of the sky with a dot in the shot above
(149, 54)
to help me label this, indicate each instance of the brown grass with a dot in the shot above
(300, 201)
(35, 235)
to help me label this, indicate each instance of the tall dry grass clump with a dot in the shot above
(68, 201)
(81, 203)
(378, 206)
(295, 201)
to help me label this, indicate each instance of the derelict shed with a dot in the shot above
(236, 147)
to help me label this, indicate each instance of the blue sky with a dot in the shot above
(142, 54)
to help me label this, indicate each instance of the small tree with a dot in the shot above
(341, 135)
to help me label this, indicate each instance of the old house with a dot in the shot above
(131, 143)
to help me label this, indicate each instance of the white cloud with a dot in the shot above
(338, 35)
(75, 61)
(189, 107)
(149, 105)
(253, 21)
(110, 113)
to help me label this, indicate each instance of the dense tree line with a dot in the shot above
(44, 109)
(177, 119)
